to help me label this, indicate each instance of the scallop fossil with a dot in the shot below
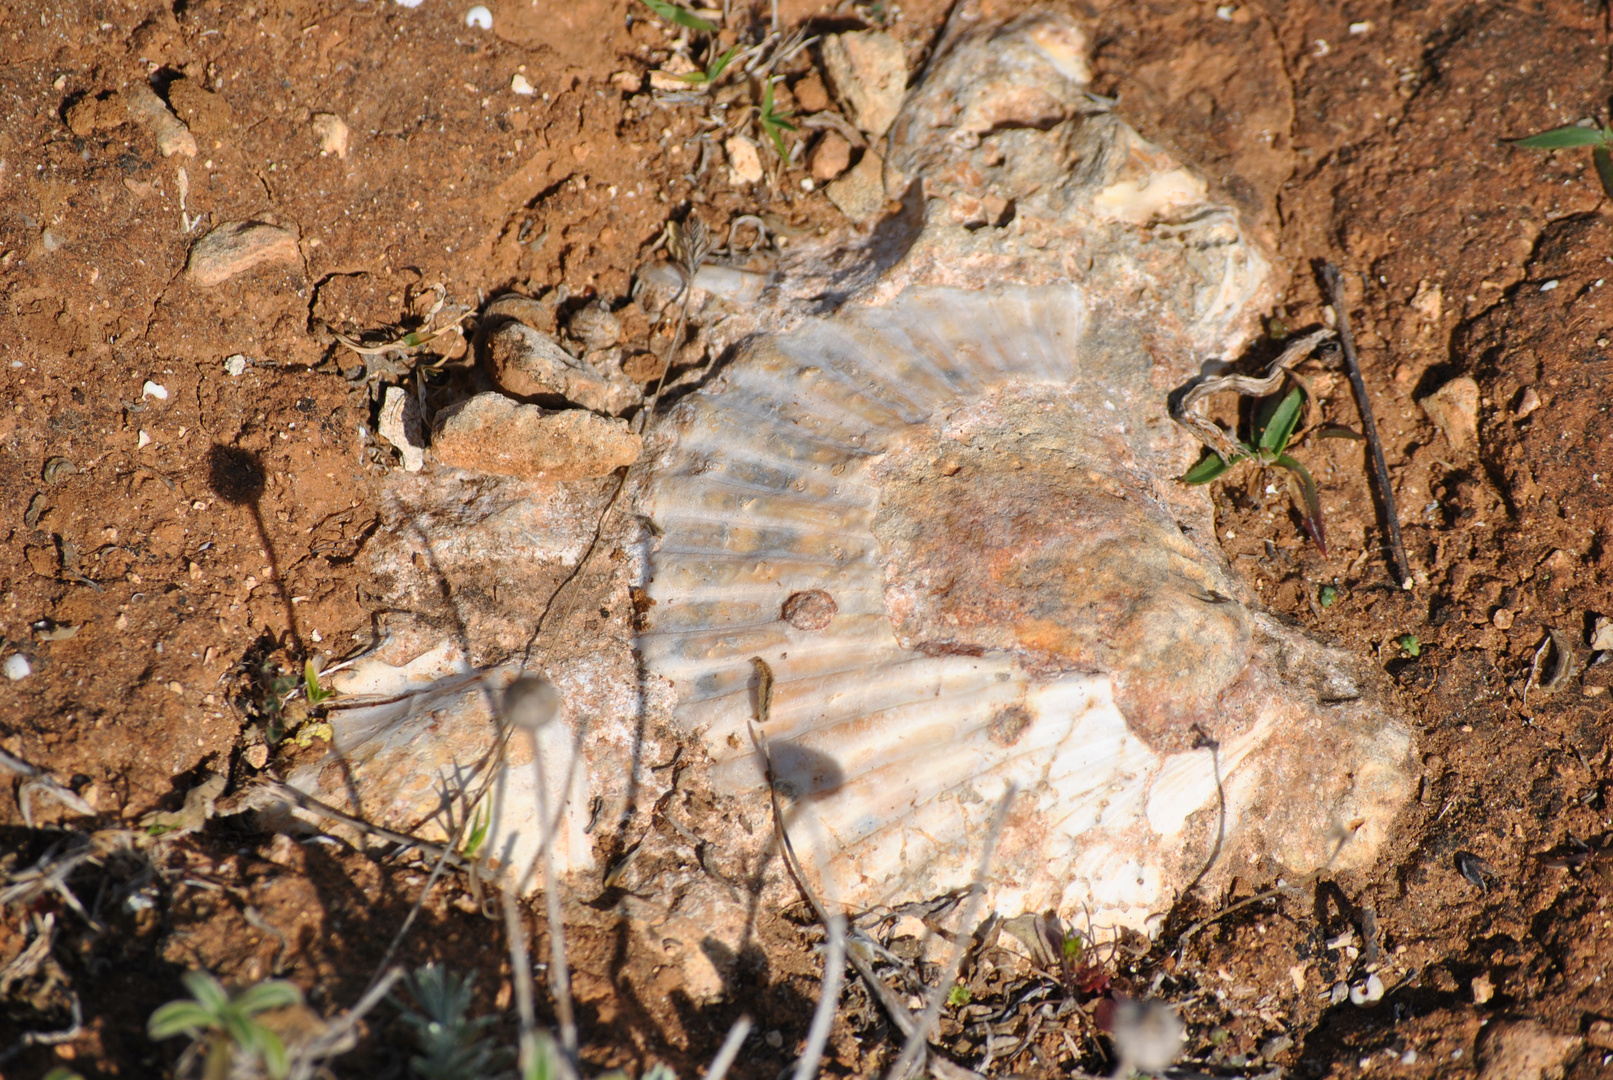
(926, 536)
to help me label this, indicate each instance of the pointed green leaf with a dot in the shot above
(1558, 138)
(682, 16)
(206, 990)
(274, 1054)
(1279, 426)
(179, 1018)
(1313, 504)
(266, 995)
(1604, 169)
(715, 69)
(1339, 431)
(1206, 470)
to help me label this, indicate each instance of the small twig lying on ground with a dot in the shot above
(1214, 439)
(312, 805)
(1380, 468)
(37, 780)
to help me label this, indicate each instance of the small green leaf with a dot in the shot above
(1604, 169)
(1339, 431)
(478, 832)
(959, 995)
(1072, 946)
(772, 122)
(1279, 426)
(1410, 645)
(1327, 596)
(206, 990)
(713, 70)
(274, 1054)
(1558, 138)
(1206, 470)
(178, 1018)
(680, 15)
(266, 995)
(1313, 505)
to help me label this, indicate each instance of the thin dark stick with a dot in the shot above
(1397, 548)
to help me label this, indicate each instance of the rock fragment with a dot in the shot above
(830, 158)
(860, 194)
(744, 163)
(400, 425)
(491, 433)
(526, 363)
(595, 326)
(1454, 409)
(868, 71)
(148, 110)
(1602, 634)
(238, 246)
(332, 133)
(1523, 1050)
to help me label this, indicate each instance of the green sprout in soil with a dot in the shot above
(1410, 646)
(1599, 139)
(713, 71)
(959, 995)
(774, 124)
(478, 832)
(1274, 427)
(452, 1045)
(227, 1026)
(316, 694)
(682, 16)
(1327, 596)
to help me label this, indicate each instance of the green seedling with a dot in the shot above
(479, 823)
(316, 694)
(226, 1025)
(1327, 596)
(1410, 646)
(774, 124)
(452, 1045)
(713, 70)
(1599, 139)
(682, 16)
(959, 995)
(1274, 428)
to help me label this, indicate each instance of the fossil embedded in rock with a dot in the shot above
(926, 533)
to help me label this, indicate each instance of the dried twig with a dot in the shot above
(1380, 468)
(1215, 440)
(37, 780)
(339, 1037)
(834, 962)
(730, 1049)
(50, 1038)
(898, 1012)
(919, 1039)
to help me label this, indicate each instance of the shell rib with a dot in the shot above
(1015, 607)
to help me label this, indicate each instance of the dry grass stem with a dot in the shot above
(918, 1040)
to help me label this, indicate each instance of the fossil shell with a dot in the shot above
(934, 494)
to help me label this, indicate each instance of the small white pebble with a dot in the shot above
(143, 441)
(159, 392)
(409, 3)
(1367, 993)
(775, 1039)
(17, 667)
(1360, 27)
(1550, 285)
(1224, 12)
(234, 365)
(807, 184)
(479, 17)
(522, 86)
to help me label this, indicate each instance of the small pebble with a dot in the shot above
(521, 85)
(155, 390)
(1502, 619)
(775, 1039)
(17, 667)
(479, 17)
(1550, 285)
(1528, 402)
(745, 164)
(234, 365)
(409, 3)
(142, 441)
